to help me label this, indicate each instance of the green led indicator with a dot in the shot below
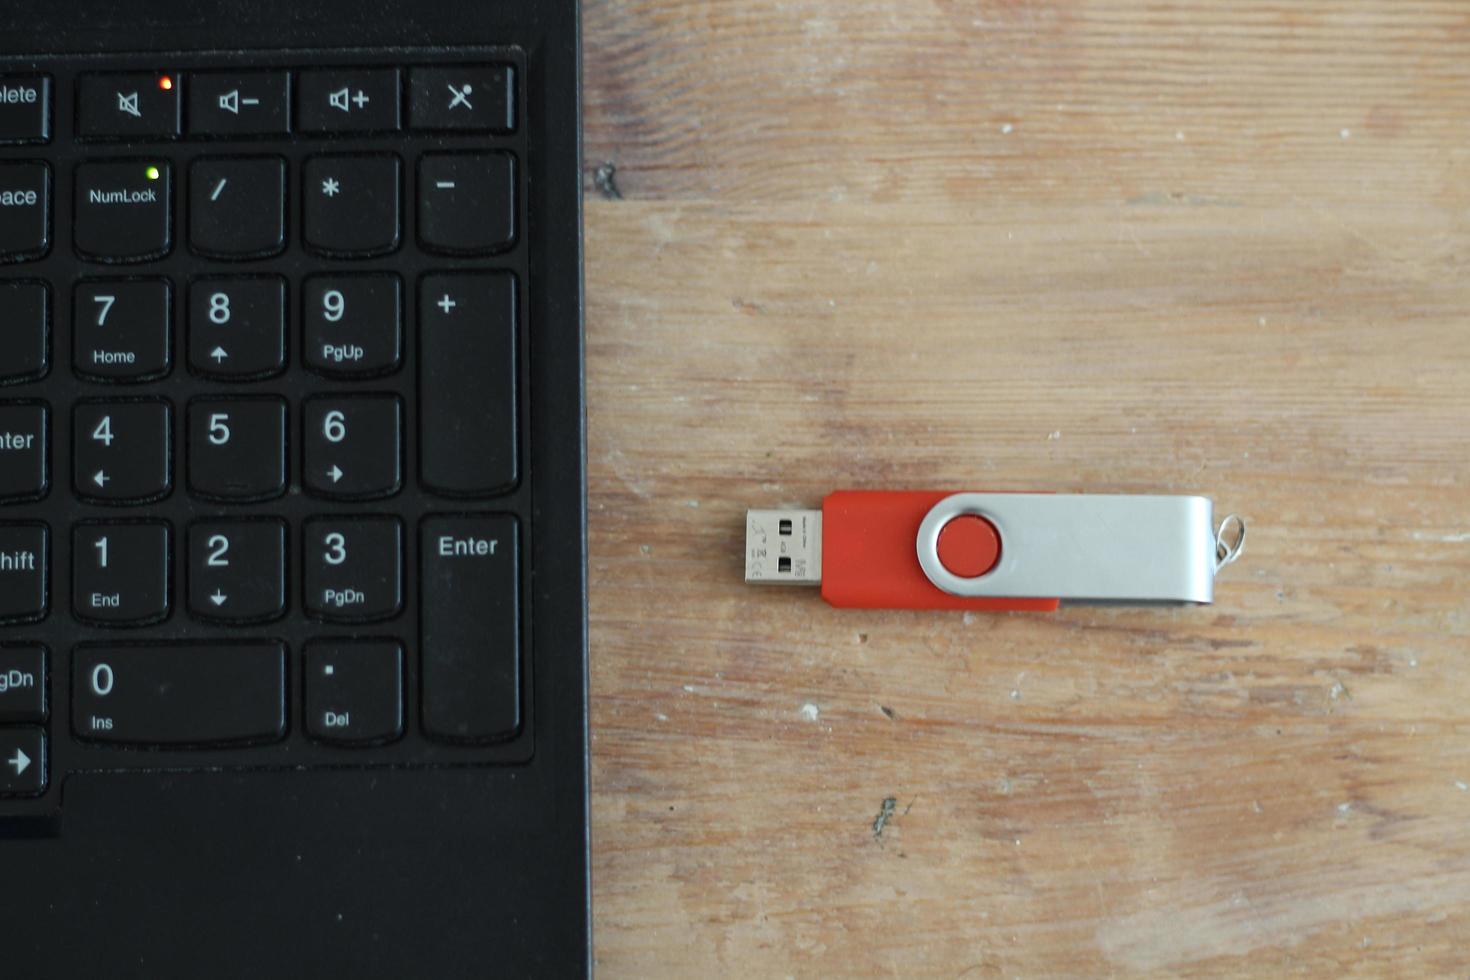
(152, 173)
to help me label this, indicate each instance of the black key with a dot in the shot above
(237, 570)
(354, 691)
(237, 326)
(471, 627)
(25, 330)
(121, 328)
(22, 684)
(353, 568)
(122, 210)
(237, 448)
(128, 104)
(237, 206)
(120, 573)
(351, 204)
(347, 101)
(470, 98)
(467, 383)
(24, 577)
(467, 202)
(23, 438)
(22, 762)
(25, 210)
(177, 694)
(353, 445)
(352, 325)
(25, 108)
(121, 450)
(239, 103)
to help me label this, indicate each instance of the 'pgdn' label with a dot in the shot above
(14, 680)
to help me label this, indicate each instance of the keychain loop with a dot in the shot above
(1227, 551)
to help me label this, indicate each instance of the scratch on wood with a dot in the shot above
(884, 815)
(748, 307)
(605, 179)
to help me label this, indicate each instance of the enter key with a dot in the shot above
(471, 627)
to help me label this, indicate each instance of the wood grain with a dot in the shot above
(1032, 244)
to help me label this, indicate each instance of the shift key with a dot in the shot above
(471, 657)
(467, 383)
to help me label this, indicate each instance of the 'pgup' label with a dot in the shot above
(342, 353)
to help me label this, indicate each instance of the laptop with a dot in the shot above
(292, 491)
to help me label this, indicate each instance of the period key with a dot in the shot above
(471, 627)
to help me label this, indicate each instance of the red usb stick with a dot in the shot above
(997, 552)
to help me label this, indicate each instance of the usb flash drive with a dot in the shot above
(994, 551)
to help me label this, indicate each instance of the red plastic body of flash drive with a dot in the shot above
(870, 558)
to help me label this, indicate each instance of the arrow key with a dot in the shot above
(237, 570)
(120, 450)
(237, 327)
(22, 761)
(353, 446)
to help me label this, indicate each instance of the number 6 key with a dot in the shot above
(353, 446)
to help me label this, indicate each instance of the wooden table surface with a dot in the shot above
(1098, 245)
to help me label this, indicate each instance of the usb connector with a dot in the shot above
(783, 547)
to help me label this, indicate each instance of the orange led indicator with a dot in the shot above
(165, 83)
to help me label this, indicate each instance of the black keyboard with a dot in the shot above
(267, 498)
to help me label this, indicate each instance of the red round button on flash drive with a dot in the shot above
(969, 546)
